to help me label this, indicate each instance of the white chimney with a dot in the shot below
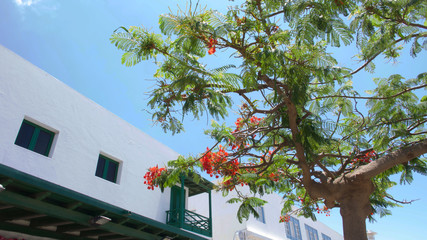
(371, 234)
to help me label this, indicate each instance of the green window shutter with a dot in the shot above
(25, 135)
(100, 167)
(107, 169)
(43, 142)
(35, 138)
(110, 171)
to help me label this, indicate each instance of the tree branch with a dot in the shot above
(376, 55)
(372, 98)
(394, 158)
(323, 167)
(401, 202)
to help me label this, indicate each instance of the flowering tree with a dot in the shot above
(303, 131)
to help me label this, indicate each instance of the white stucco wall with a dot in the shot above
(83, 131)
(224, 220)
(225, 223)
(320, 227)
(273, 229)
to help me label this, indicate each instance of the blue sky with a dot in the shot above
(69, 39)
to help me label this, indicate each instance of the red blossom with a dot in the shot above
(211, 45)
(212, 50)
(324, 210)
(239, 123)
(217, 163)
(274, 28)
(255, 120)
(274, 177)
(151, 176)
(285, 218)
(367, 158)
(212, 42)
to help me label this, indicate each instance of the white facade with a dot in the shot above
(226, 225)
(83, 130)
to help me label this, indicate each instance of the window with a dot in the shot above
(107, 169)
(241, 235)
(34, 138)
(260, 211)
(325, 237)
(311, 233)
(293, 230)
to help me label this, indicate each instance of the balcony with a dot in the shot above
(192, 221)
(187, 194)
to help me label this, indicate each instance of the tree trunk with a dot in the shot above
(354, 223)
(355, 207)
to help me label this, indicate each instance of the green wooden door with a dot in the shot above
(177, 202)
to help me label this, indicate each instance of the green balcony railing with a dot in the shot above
(192, 221)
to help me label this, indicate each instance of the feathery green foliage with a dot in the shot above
(304, 131)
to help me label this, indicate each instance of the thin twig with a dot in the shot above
(401, 202)
(372, 98)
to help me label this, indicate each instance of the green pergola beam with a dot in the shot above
(12, 175)
(34, 205)
(13, 213)
(92, 233)
(109, 237)
(48, 222)
(38, 232)
(73, 228)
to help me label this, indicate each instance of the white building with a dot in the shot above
(266, 227)
(66, 162)
(70, 169)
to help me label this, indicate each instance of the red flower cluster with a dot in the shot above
(239, 21)
(211, 45)
(255, 120)
(234, 146)
(274, 177)
(216, 163)
(230, 168)
(285, 218)
(240, 122)
(230, 184)
(367, 158)
(274, 28)
(324, 210)
(151, 176)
